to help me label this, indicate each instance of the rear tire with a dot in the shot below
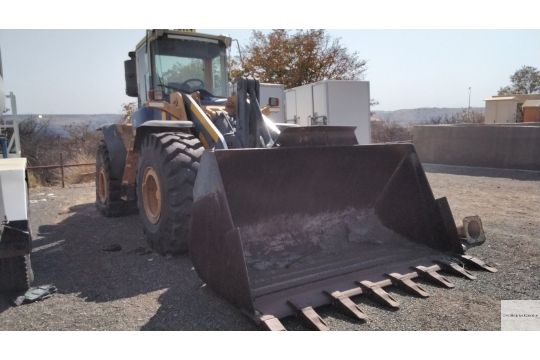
(108, 189)
(166, 175)
(16, 273)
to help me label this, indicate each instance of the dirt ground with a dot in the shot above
(135, 289)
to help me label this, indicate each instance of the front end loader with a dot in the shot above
(278, 219)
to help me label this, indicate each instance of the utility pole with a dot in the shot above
(469, 107)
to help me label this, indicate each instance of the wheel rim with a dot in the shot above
(102, 186)
(151, 192)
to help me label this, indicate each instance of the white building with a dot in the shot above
(507, 108)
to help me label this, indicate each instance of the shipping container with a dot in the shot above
(331, 102)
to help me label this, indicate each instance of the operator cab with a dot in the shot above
(166, 61)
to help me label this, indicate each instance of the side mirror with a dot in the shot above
(130, 70)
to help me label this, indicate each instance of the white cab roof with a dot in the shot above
(12, 164)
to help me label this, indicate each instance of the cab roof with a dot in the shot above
(155, 34)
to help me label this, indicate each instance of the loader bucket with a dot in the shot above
(281, 231)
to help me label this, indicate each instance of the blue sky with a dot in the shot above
(81, 71)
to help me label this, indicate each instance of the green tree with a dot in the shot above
(524, 81)
(297, 58)
(181, 71)
(127, 111)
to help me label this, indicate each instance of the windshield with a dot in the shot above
(190, 64)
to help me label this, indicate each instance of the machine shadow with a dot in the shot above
(71, 255)
(196, 309)
(513, 174)
(4, 302)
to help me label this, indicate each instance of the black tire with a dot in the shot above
(174, 159)
(16, 273)
(108, 189)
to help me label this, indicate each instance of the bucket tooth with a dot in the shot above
(270, 322)
(310, 316)
(430, 273)
(377, 293)
(405, 282)
(476, 262)
(346, 305)
(455, 268)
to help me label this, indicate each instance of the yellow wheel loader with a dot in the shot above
(278, 219)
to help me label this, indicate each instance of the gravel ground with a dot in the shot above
(135, 289)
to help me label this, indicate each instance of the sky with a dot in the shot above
(82, 71)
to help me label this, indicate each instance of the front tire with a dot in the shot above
(166, 175)
(16, 273)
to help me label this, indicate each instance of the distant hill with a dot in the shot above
(58, 123)
(417, 116)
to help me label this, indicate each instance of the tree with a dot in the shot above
(388, 131)
(464, 116)
(127, 111)
(524, 81)
(297, 58)
(180, 72)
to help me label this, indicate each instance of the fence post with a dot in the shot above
(62, 168)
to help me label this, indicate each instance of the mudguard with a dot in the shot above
(117, 150)
(154, 126)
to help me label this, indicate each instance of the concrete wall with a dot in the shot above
(509, 146)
